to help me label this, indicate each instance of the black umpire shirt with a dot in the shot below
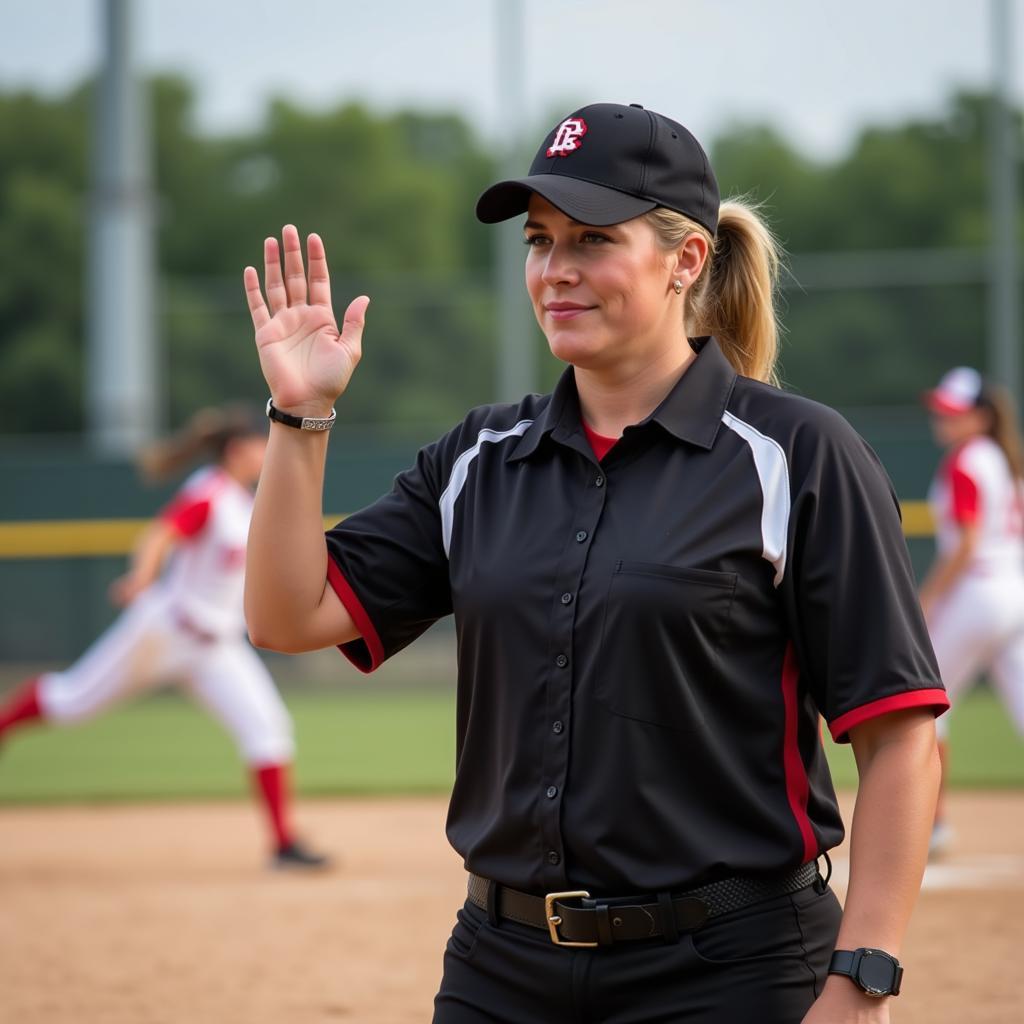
(645, 644)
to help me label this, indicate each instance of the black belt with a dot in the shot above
(603, 921)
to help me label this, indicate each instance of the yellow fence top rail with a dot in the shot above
(90, 538)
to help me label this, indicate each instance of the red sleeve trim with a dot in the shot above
(965, 496)
(935, 698)
(367, 652)
(187, 515)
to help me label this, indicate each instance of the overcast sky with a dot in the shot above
(818, 69)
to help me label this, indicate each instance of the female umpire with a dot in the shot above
(661, 574)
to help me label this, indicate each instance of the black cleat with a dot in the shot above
(294, 856)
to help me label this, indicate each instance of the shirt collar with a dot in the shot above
(692, 410)
(563, 410)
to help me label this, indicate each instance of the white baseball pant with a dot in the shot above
(979, 627)
(145, 647)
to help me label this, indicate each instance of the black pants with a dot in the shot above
(762, 965)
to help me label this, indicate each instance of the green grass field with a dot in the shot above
(349, 743)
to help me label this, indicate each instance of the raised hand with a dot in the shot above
(306, 360)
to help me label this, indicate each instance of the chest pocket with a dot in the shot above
(663, 630)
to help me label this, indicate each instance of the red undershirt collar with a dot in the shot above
(602, 445)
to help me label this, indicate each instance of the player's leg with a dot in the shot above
(231, 681)
(21, 707)
(130, 655)
(1008, 677)
(961, 631)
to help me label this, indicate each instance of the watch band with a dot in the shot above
(850, 963)
(315, 423)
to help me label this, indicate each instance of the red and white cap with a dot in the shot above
(959, 390)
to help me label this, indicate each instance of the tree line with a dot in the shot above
(393, 196)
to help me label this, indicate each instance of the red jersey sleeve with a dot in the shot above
(187, 514)
(965, 502)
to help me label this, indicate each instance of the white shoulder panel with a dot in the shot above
(461, 470)
(773, 473)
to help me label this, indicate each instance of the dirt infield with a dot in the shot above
(160, 914)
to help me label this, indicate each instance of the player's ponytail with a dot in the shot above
(1003, 427)
(204, 437)
(734, 296)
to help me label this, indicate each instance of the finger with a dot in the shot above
(319, 279)
(277, 297)
(254, 297)
(355, 318)
(294, 274)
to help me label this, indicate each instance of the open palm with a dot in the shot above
(306, 360)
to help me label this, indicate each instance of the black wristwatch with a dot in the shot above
(873, 971)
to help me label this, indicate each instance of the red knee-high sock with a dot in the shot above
(22, 707)
(272, 781)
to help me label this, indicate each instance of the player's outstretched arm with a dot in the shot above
(148, 557)
(308, 363)
(947, 570)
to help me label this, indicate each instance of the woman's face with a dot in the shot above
(243, 457)
(951, 429)
(602, 295)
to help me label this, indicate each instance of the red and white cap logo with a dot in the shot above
(958, 391)
(568, 137)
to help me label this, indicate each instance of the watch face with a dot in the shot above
(876, 973)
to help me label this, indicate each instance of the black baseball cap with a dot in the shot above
(607, 163)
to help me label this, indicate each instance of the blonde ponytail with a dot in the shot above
(204, 436)
(734, 297)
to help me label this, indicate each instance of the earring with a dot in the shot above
(678, 285)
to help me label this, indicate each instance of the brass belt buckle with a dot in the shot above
(554, 920)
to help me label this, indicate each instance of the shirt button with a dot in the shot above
(581, 536)
(599, 482)
(551, 792)
(561, 661)
(557, 728)
(553, 857)
(567, 598)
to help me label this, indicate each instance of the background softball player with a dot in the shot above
(973, 597)
(187, 624)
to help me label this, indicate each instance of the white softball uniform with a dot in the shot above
(979, 624)
(189, 627)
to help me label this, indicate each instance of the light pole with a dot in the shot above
(1004, 162)
(517, 361)
(121, 364)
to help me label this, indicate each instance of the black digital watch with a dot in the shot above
(873, 971)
